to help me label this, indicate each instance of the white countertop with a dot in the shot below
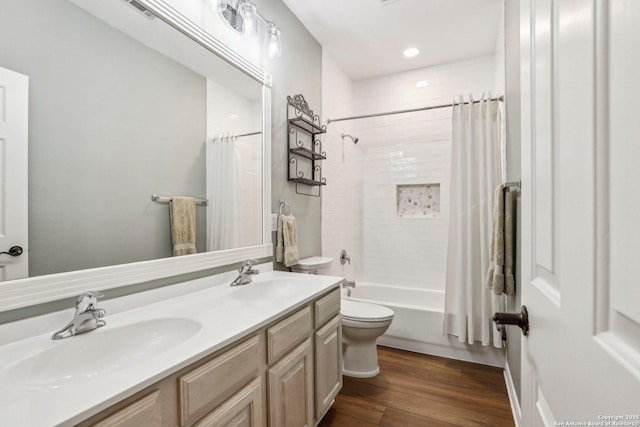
(209, 319)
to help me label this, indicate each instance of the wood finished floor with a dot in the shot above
(420, 390)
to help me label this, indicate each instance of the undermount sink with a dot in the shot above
(272, 288)
(98, 352)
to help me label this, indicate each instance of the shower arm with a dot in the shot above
(354, 139)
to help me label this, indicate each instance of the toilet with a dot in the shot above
(362, 324)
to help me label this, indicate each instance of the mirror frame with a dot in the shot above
(20, 293)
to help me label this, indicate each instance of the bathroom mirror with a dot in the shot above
(129, 99)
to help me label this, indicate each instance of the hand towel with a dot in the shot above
(182, 213)
(509, 242)
(500, 273)
(279, 242)
(290, 239)
(495, 274)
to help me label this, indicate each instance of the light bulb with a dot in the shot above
(411, 52)
(274, 47)
(248, 12)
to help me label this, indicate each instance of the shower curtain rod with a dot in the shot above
(432, 107)
(226, 138)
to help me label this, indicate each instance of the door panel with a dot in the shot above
(581, 240)
(624, 152)
(14, 100)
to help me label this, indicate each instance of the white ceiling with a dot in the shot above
(367, 38)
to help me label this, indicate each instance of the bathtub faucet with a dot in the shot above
(349, 284)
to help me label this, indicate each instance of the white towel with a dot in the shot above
(287, 241)
(182, 213)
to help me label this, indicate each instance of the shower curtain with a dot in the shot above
(223, 193)
(476, 170)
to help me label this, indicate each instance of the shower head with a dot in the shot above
(355, 140)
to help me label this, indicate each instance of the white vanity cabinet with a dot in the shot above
(287, 373)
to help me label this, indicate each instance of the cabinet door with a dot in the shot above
(291, 389)
(328, 364)
(244, 409)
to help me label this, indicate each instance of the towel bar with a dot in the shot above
(517, 184)
(160, 199)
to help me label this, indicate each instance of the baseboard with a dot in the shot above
(476, 354)
(513, 396)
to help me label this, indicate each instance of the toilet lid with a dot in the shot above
(364, 311)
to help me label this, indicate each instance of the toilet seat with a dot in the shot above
(358, 311)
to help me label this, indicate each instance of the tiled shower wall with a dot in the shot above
(360, 201)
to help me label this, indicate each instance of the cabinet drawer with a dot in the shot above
(144, 412)
(327, 307)
(243, 409)
(215, 381)
(286, 334)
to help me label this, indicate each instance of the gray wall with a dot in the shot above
(110, 123)
(512, 77)
(298, 70)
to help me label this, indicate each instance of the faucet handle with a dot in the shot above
(247, 264)
(87, 301)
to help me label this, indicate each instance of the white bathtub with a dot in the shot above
(417, 323)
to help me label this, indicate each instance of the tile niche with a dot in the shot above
(418, 200)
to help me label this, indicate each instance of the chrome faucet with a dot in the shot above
(87, 317)
(246, 271)
(348, 284)
(344, 257)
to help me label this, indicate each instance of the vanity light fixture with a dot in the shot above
(242, 16)
(274, 47)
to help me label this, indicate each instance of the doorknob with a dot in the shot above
(519, 319)
(13, 251)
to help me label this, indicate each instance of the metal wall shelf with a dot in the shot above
(307, 181)
(307, 126)
(305, 151)
(309, 154)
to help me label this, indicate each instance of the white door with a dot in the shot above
(581, 211)
(14, 101)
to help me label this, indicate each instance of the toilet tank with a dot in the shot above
(311, 265)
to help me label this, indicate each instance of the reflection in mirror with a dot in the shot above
(123, 106)
(234, 169)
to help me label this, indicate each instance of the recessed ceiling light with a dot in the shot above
(411, 52)
(422, 83)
